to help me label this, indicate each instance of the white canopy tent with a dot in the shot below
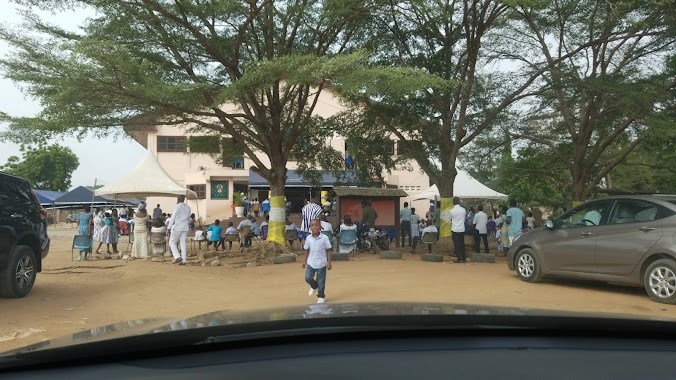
(147, 179)
(465, 186)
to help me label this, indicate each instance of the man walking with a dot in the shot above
(458, 215)
(405, 216)
(310, 211)
(179, 226)
(480, 222)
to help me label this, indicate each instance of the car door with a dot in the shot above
(571, 246)
(633, 228)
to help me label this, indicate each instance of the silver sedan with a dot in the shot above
(620, 239)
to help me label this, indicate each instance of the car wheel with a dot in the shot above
(660, 281)
(17, 279)
(528, 266)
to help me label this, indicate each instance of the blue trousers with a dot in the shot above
(319, 282)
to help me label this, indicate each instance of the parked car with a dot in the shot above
(620, 239)
(24, 242)
(73, 218)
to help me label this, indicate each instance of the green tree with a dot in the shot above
(452, 40)
(46, 167)
(609, 95)
(153, 62)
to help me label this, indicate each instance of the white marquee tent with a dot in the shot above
(465, 186)
(147, 179)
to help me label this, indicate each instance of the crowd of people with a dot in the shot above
(106, 227)
(502, 225)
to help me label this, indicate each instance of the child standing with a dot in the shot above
(215, 237)
(317, 260)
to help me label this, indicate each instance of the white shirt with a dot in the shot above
(343, 227)
(531, 222)
(431, 228)
(480, 220)
(245, 222)
(458, 215)
(317, 247)
(326, 226)
(180, 218)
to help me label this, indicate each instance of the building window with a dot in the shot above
(171, 143)
(201, 190)
(238, 163)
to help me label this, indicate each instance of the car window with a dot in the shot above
(634, 211)
(585, 216)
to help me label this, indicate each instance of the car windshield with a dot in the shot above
(164, 159)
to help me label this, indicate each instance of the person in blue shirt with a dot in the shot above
(215, 238)
(514, 219)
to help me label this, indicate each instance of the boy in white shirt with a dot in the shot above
(317, 260)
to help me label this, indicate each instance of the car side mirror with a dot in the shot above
(549, 224)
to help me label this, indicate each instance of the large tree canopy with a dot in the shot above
(141, 62)
(46, 167)
(450, 39)
(601, 102)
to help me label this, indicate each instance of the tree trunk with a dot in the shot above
(578, 191)
(446, 181)
(277, 222)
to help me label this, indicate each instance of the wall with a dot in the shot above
(385, 208)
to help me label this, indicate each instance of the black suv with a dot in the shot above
(23, 236)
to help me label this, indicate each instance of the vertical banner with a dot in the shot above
(445, 226)
(277, 222)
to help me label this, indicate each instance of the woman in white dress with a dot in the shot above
(140, 248)
(99, 225)
(415, 225)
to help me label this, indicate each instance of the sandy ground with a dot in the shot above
(73, 296)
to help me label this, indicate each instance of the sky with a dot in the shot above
(120, 156)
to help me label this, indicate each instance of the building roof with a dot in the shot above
(47, 197)
(83, 195)
(369, 192)
(294, 179)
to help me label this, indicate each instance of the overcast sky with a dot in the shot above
(122, 154)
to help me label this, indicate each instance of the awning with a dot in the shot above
(369, 192)
(293, 179)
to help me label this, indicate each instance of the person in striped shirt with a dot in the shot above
(310, 211)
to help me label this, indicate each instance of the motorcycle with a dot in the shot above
(381, 238)
(364, 242)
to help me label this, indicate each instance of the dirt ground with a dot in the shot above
(73, 296)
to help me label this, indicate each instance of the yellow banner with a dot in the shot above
(277, 222)
(445, 225)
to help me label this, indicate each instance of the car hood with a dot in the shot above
(313, 311)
